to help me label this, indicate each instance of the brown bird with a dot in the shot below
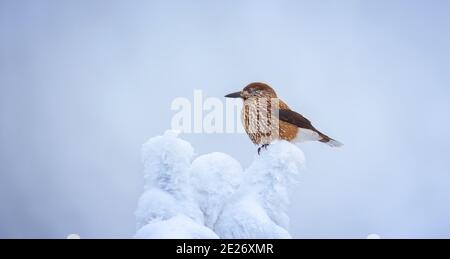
(267, 118)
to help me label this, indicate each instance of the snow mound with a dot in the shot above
(166, 159)
(155, 204)
(258, 209)
(215, 177)
(246, 218)
(272, 174)
(212, 196)
(167, 191)
(178, 227)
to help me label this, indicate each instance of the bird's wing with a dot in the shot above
(296, 119)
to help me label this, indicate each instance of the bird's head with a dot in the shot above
(254, 90)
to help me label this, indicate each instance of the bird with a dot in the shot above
(267, 118)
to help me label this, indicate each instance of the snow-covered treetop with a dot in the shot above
(211, 196)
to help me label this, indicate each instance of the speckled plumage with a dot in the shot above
(267, 118)
(261, 122)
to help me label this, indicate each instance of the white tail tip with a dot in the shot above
(334, 143)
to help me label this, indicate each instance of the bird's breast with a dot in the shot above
(262, 124)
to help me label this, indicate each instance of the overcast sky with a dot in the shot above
(84, 83)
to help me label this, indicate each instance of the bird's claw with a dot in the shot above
(263, 146)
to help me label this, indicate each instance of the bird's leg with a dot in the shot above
(263, 146)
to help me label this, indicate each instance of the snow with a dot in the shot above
(215, 177)
(212, 196)
(166, 159)
(167, 192)
(247, 218)
(155, 204)
(177, 227)
(272, 174)
(258, 209)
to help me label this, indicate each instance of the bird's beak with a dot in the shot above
(234, 95)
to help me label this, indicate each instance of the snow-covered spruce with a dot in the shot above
(215, 178)
(212, 196)
(258, 209)
(167, 209)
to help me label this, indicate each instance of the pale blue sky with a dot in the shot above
(84, 83)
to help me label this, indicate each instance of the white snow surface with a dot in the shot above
(212, 196)
(177, 227)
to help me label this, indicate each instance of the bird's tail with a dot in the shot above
(330, 142)
(334, 143)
